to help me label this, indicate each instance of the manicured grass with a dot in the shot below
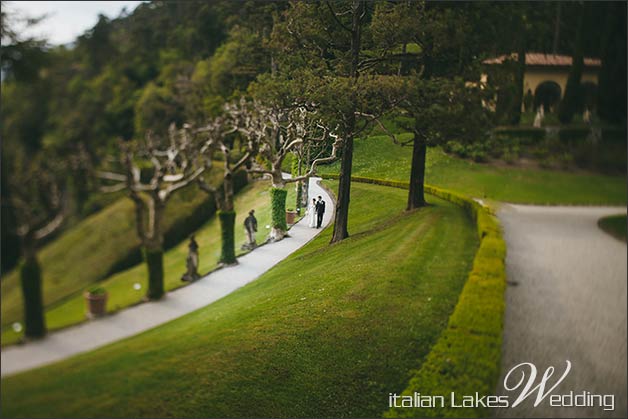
(615, 225)
(89, 251)
(330, 331)
(378, 157)
(121, 286)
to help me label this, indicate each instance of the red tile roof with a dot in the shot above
(537, 58)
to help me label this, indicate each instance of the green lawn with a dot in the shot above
(330, 331)
(615, 225)
(121, 286)
(378, 157)
(89, 251)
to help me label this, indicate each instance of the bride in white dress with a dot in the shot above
(311, 212)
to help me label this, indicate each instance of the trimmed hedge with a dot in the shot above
(466, 357)
(531, 134)
(573, 135)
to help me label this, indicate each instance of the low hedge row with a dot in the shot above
(569, 134)
(526, 134)
(466, 357)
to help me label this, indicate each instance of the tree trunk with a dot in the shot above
(227, 226)
(416, 196)
(226, 215)
(569, 104)
(517, 102)
(299, 200)
(278, 205)
(30, 275)
(227, 198)
(299, 187)
(611, 94)
(154, 255)
(154, 251)
(341, 218)
(556, 29)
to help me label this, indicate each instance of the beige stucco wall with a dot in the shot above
(535, 76)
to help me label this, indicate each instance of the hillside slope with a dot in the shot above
(328, 332)
(100, 245)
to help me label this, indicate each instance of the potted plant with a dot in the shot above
(96, 299)
(291, 215)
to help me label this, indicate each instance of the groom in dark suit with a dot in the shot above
(320, 211)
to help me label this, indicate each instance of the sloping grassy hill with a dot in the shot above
(121, 285)
(330, 331)
(91, 250)
(378, 157)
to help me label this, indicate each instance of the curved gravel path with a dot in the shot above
(566, 300)
(91, 335)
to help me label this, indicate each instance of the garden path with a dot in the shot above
(566, 300)
(128, 322)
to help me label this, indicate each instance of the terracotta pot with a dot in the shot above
(96, 304)
(291, 216)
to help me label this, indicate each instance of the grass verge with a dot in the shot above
(330, 331)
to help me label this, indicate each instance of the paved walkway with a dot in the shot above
(566, 301)
(91, 335)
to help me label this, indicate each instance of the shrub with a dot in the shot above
(478, 152)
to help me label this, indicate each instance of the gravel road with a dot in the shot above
(566, 300)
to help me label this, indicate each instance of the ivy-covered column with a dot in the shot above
(278, 205)
(227, 225)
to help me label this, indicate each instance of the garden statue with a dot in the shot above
(250, 227)
(191, 262)
(538, 119)
(586, 116)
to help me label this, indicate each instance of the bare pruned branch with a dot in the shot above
(335, 16)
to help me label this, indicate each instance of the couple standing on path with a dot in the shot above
(316, 210)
